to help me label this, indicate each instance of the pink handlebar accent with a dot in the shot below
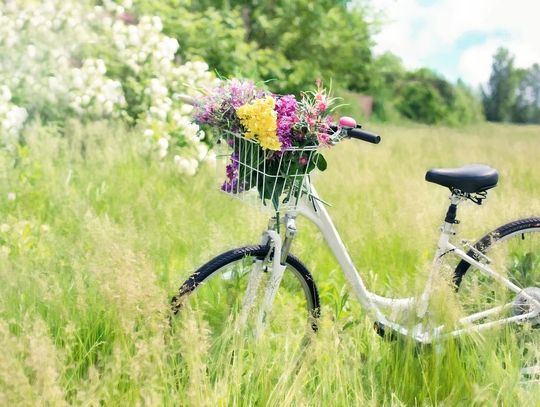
(346, 121)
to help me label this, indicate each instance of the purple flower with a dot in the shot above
(231, 184)
(218, 108)
(241, 92)
(286, 119)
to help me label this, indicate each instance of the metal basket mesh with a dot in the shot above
(272, 180)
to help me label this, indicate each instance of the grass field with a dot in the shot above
(99, 237)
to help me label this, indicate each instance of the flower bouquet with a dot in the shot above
(274, 139)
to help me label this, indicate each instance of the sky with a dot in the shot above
(457, 38)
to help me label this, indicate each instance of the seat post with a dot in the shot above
(450, 218)
(447, 230)
(451, 213)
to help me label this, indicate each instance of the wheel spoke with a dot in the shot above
(229, 294)
(516, 257)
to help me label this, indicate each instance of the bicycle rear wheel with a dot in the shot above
(513, 251)
(215, 293)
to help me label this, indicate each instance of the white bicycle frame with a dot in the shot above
(381, 309)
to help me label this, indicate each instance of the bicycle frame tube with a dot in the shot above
(313, 210)
(381, 309)
(317, 213)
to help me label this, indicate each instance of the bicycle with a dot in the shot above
(498, 276)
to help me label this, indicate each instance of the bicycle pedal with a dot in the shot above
(532, 371)
(384, 332)
(530, 375)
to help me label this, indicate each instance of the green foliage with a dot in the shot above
(466, 106)
(428, 98)
(526, 108)
(420, 101)
(512, 94)
(289, 43)
(387, 72)
(216, 36)
(420, 95)
(499, 95)
(99, 239)
(320, 39)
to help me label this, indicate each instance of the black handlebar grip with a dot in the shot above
(364, 135)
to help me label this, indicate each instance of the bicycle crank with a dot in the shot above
(524, 305)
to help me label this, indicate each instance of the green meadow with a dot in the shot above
(96, 237)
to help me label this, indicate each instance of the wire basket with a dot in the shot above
(272, 180)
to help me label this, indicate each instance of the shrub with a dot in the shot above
(57, 62)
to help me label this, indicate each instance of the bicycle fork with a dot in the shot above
(281, 251)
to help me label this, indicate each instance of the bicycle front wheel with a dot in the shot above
(216, 293)
(513, 252)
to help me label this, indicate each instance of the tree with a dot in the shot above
(387, 72)
(289, 43)
(424, 97)
(526, 108)
(499, 96)
(466, 107)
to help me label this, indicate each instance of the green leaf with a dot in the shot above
(321, 162)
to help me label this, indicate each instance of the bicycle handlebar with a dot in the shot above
(360, 134)
(347, 124)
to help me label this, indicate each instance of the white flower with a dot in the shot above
(157, 88)
(92, 93)
(163, 145)
(193, 165)
(187, 166)
(31, 51)
(156, 21)
(100, 64)
(11, 196)
(202, 150)
(211, 158)
(186, 109)
(42, 39)
(6, 93)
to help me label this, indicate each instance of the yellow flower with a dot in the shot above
(260, 121)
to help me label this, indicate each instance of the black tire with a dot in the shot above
(528, 225)
(214, 266)
(513, 249)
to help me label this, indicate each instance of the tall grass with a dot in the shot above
(100, 236)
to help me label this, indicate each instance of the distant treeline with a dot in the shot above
(290, 43)
(512, 94)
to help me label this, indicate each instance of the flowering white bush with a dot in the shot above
(66, 57)
(39, 42)
(92, 93)
(12, 118)
(167, 121)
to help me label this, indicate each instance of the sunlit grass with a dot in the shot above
(100, 237)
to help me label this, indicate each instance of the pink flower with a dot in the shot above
(323, 138)
(303, 161)
(322, 106)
